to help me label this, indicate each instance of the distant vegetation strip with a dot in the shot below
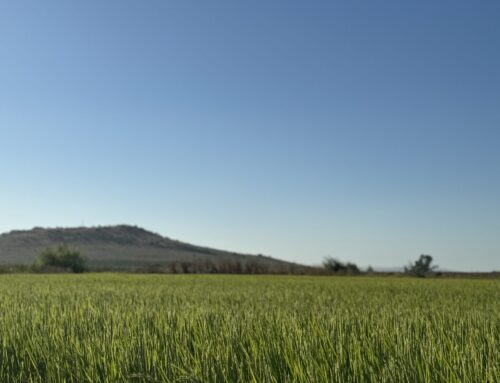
(65, 259)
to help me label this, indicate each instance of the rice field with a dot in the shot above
(180, 328)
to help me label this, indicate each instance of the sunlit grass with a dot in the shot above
(104, 327)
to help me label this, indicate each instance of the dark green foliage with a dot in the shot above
(335, 266)
(62, 258)
(421, 267)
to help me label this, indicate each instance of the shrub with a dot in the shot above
(63, 258)
(421, 267)
(335, 266)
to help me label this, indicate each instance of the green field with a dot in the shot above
(166, 328)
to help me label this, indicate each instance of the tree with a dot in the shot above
(62, 257)
(335, 266)
(421, 267)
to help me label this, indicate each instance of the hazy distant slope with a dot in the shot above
(118, 247)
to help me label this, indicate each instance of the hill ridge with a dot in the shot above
(117, 247)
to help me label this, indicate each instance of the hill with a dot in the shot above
(126, 247)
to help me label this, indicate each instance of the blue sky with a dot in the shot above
(369, 131)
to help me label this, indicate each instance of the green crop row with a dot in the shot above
(165, 328)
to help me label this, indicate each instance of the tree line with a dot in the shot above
(66, 259)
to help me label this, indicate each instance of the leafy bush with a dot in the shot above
(63, 258)
(335, 266)
(421, 267)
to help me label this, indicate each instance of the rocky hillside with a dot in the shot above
(120, 247)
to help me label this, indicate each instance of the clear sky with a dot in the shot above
(365, 130)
